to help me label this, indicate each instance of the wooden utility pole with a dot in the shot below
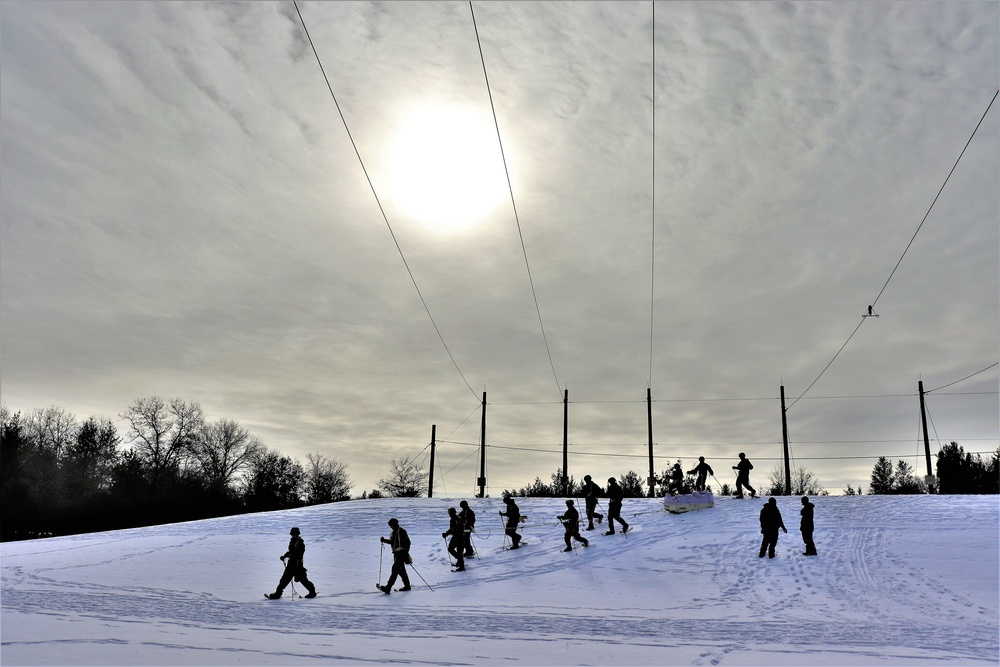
(649, 429)
(430, 477)
(784, 438)
(482, 453)
(929, 479)
(565, 466)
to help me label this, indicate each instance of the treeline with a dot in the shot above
(59, 476)
(958, 472)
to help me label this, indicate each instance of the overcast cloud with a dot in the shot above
(183, 214)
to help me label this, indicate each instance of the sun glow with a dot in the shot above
(446, 169)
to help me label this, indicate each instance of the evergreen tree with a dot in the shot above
(882, 477)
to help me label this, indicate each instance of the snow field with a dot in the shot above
(899, 580)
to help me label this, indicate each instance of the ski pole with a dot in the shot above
(295, 593)
(504, 527)
(380, 552)
(421, 576)
(447, 551)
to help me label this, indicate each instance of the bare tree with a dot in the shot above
(51, 429)
(326, 480)
(222, 451)
(162, 434)
(406, 479)
(804, 482)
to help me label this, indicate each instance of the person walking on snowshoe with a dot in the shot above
(591, 492)
(456, 546)
(743, 469)
(399, 540)
(615, 495)
(770, 523)
(513, 515)
(571, 520)
(806, 526)
(468, 518)
(703, 470)
(294, 567)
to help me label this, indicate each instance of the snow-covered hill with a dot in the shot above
(899, 580)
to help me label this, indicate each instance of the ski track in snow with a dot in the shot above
(691, 583)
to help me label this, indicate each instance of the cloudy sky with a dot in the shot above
(708, 196)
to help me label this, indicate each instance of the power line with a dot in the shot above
(377, 201)
(993, 365)
(510, 189)
(905, 250)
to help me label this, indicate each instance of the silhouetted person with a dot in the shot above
(468, 518)
(571, 520)
(806, 526)
(513, 520)
(676, 479)
(400, 543)
(770, 523)
(456, 546)
(743, 469)
(615, 495)
(703, 470)
(294, 567)
(591, 492)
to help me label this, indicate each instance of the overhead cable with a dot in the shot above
(377, 201)
(510, 189)
(900, 260)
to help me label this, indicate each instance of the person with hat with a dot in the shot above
(400, 543)
(615, 495)
(703, 470)
(456, 547)
(468, 518)
(571, 520)
(743, 469)
(294, 567)
(513, 515)
(591, 492)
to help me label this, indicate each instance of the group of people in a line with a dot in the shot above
(462, 526)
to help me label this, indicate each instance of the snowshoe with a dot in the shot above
(403, 589)
(384, 589)
(272, 596)
(310, 595)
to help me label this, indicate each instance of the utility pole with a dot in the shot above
(784, 438)
(930, 479)
(430, 477)
(482, 453)
(649, 428)
(565, 466)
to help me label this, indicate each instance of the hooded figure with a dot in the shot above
(806, 526)
(294, 567)
(770, 523)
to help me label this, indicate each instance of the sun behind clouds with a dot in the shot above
(446, 169)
